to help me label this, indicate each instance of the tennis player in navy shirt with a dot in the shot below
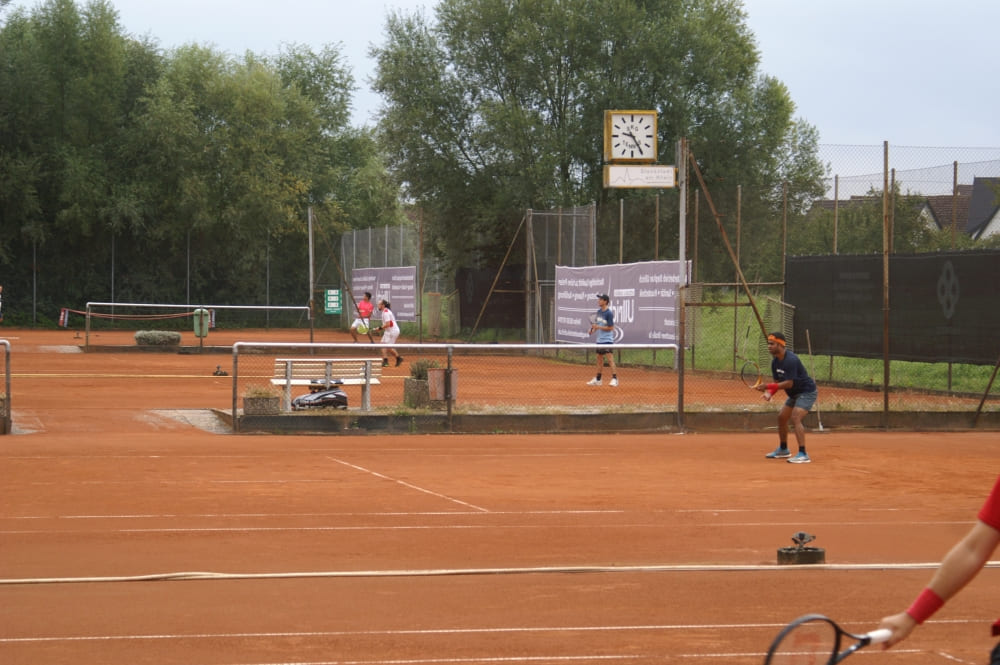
(789, 374)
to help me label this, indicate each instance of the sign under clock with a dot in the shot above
(630, 137)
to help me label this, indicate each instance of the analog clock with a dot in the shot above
(630, 136)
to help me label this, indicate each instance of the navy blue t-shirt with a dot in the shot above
(790, 367)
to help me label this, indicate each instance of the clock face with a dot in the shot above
(632, 136)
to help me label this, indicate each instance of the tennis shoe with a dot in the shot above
(779, 453)
(385, 362)
(399, 360)
(614, 383)
(594, 382)
(800, 458)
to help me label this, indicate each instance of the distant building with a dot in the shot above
(974, 209)
(984, 208)
(945, 210)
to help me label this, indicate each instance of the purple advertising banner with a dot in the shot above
(397, 285)
(643, 297)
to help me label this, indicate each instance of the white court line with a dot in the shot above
(431, 527)
(496, 630)
(409, 485)
(457, 572)
(425, 513)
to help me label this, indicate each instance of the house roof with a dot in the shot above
(983, 203)
(973, 206)
(943, 206)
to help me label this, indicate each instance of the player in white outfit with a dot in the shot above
(390, 333)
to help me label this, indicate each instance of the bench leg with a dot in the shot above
(366, 397)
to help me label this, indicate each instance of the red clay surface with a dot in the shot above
(128, 535)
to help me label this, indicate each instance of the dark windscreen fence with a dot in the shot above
(943, 307)
(503, 295)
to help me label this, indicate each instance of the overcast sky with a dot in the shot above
(911, 72)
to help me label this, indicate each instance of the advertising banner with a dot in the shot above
(643, 297)
(397, 285)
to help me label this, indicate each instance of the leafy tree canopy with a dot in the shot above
(497, 105)
(113, 151)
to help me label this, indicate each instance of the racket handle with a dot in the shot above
(879, 636)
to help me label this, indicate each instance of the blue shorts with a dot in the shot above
(601, 351)
(803, 401)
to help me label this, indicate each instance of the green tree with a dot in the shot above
(498, 105)
(860, 227)
(150, 176)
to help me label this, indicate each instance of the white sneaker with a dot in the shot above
(614, 383)
(594, 382)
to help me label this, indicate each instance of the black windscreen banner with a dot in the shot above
(943, 307)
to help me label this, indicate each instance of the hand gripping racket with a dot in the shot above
(814, 639)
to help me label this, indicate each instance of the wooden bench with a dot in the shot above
(329, 372)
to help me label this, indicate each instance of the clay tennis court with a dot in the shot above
(134, 531)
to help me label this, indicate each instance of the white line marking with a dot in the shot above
(442, 572)
(446, 631)
(955, 658)
(426, 513)
(409, 485)
(400, 527)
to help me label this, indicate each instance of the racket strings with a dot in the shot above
(750, 374)
(810, 643)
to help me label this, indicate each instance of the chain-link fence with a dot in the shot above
(5, 396)
(937, 200)
(274, 385)
(545, 238)
(559, 237)
(439, 311)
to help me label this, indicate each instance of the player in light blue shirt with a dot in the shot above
(603, 323)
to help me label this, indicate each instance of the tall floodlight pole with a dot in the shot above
(312, 279)
(885, 285)
(682, 267)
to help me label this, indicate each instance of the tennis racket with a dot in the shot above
(814, 639)
(751, 374)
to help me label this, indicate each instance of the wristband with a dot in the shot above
(772, 388)
(926, 604)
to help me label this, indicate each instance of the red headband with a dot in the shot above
(776, 340)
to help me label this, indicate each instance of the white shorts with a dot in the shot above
(390, 335)
(358, 322)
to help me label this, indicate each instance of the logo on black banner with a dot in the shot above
(947, 290)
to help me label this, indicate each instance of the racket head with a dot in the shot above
(362, 329)
(750, 374)
(594, 319)
(812, 639)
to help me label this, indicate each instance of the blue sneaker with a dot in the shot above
(801, 458)
(778, 453)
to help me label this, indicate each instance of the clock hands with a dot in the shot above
(635, 141)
